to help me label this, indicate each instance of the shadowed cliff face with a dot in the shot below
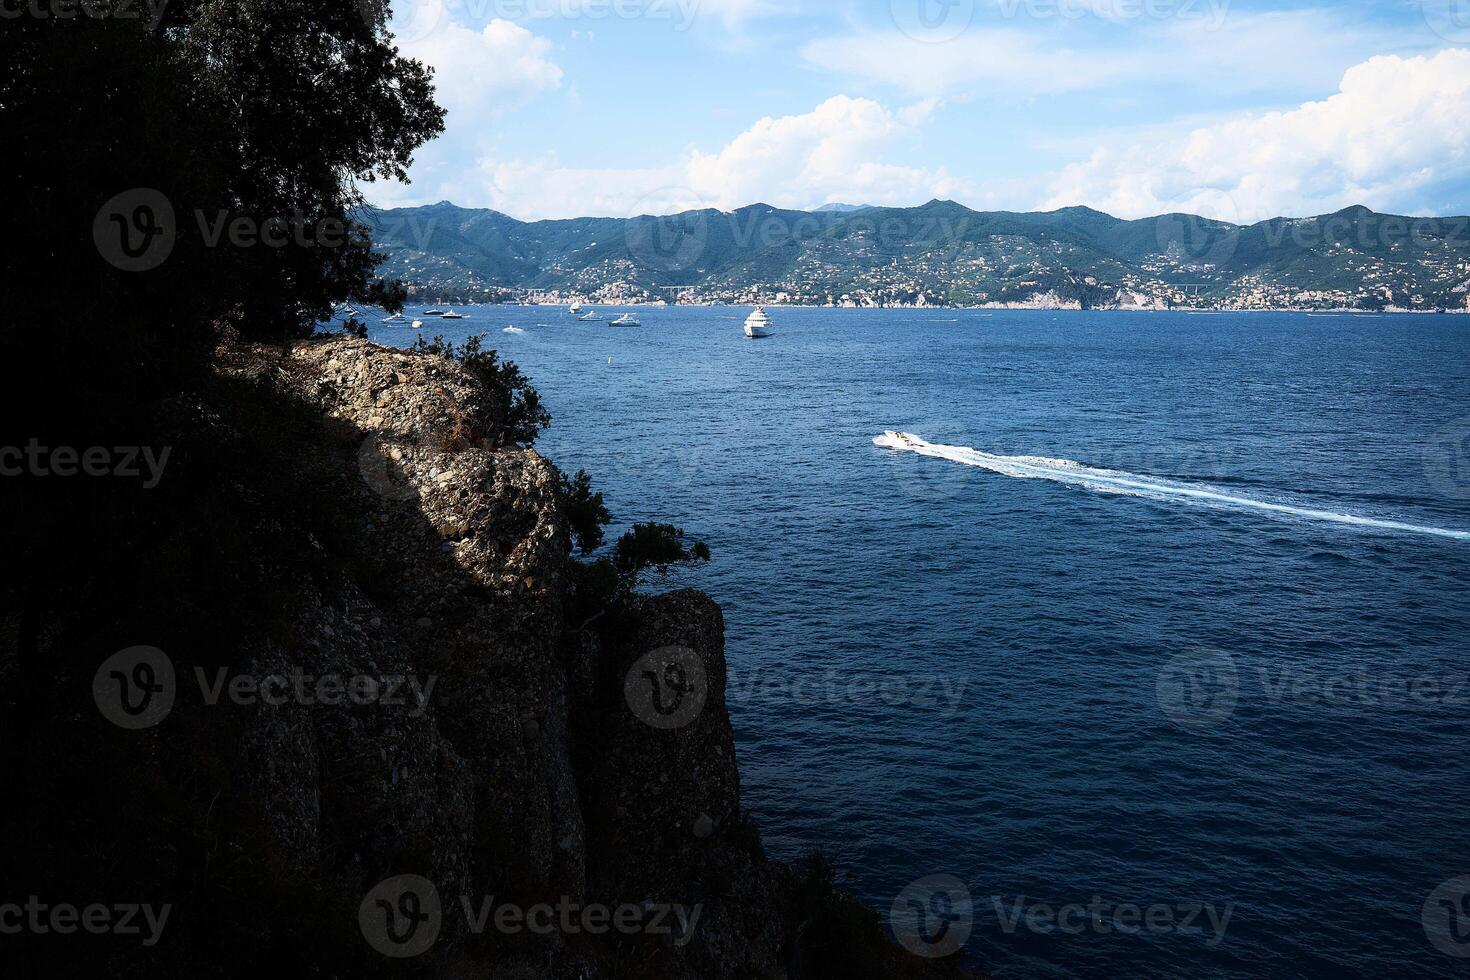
(527, 780)
(332, 717)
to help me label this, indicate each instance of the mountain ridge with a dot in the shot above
(938, 253)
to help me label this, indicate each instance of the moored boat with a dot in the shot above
(758, 324)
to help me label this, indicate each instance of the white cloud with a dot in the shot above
(1211, 52)
(1395, 135)
(833, 153)
(734, 13)
(479, 75)
(1013, 58)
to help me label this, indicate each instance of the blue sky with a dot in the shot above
(1239, 109)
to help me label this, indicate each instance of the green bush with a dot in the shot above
(511, 413)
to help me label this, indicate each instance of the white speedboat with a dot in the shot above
(590, 315)
(395, 318)
(451, 315)
(418, 324)
(898, 440)
(758, 324)
(574, 309)
(433, 313)
(627, 320)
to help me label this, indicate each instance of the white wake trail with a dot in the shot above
(1154, 488)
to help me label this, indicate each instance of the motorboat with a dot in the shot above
(451, 315)
(590, 315)
(758, 324)
(574, 309)
(627, 320)
(418, 324)
(395, 318)
(891, 439)
(433, 313)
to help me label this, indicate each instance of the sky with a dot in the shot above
(1240, 110)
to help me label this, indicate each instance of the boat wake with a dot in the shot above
(1076, 474)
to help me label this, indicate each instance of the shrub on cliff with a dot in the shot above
(656, 546)
(584, 510)
(511, 412)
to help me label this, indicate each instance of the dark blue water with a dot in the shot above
(1055, 693)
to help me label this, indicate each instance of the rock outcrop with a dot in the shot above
(387, 748)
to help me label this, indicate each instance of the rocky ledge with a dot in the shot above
(503, 790)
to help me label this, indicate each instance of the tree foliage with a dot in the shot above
(583, 509)
(656, 546)
(511, 412)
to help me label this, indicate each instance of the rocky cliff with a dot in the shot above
(342, 724)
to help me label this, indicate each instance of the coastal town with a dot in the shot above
(1355, 261)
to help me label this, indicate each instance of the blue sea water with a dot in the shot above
(1056, 690)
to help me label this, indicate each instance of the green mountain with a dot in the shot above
(941, 253)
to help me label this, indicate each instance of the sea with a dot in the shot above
(1158, 666)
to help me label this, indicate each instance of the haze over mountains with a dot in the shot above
(940, 253)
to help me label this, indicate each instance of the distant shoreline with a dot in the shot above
(989, 308)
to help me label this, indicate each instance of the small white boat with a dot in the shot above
(574, 309)
(433, 313)
(898, 440)
(451, 315)
(758, 324)
(590, 315)
(418, 324)
(627, 320)
(395, 318)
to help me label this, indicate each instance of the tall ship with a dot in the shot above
(758, 324)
